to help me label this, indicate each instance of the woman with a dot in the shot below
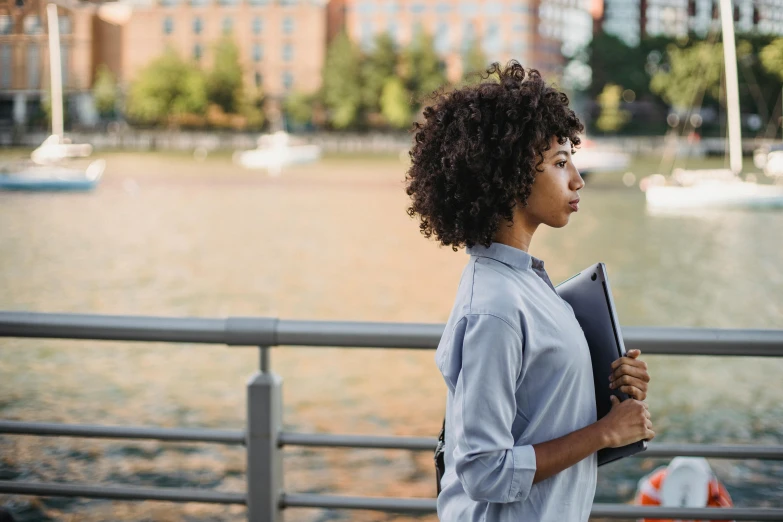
(490, 164)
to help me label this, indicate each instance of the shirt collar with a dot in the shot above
(506, 254)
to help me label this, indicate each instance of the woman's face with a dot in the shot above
(554, 195)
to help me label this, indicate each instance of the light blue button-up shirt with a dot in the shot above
(518, 371)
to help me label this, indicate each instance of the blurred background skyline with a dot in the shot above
(358, 64)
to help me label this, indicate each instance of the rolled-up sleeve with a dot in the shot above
(489, 466)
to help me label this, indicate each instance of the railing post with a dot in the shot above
(264, 455)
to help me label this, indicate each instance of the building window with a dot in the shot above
(288, 80)
(393, 31)
(228, 3)
(198, 25)
(257, 3)
(468, 36)
(168, 25)
(418, 8)
(64, 60)
(468, 8)
(33, 66)
(493, 8)
(5, 24)
(199, 3)
(169, 3)
(258, 25)
(259, 79)
(520, 46)
(288, 25)
(5, 67)
(258, 52)
(197, 52)
(65, 24)
(442, 38)
(493, 40)
(443, 8)
(288, 52)
(228, 25)
(288, 3)
(32, 24)
(392, 7)
(367, 34)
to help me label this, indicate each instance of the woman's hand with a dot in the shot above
(627, 422)
(629, 375)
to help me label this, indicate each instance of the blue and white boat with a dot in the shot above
(48, 169)
(32, 177)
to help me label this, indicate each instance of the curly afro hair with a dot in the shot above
(478, 149)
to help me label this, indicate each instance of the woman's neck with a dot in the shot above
(517, 234)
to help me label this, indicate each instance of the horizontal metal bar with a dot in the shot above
(713, 451)
(120, 493)
(398, 505)
(659, 513)
(722, 451)
(112, 327)
(421, 505)
(704, 341)
(123, 432)
(273, 332)
(356, 441)
(407, 505)
(359, 334)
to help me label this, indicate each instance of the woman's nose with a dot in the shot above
(577, 183)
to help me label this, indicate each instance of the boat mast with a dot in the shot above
(55, 72)
(732, 86)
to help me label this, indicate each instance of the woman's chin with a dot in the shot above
(559, 222)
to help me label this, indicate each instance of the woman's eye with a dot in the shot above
(561, 164)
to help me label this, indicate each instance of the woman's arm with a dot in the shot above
(484, 357)
(626, 423)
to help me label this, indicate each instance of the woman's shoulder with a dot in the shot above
(494, 291)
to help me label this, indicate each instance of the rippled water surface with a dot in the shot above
(166, 235)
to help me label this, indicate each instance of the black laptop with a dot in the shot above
(590, 296)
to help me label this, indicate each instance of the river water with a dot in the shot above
(167, 235)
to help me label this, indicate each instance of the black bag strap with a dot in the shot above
(440, 462)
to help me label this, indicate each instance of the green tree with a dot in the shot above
(342, 89)
(423, 70)
(693, 71)
(224, 82)
(378, 67)
(611, 60)
(612, 117)
(104, 91)
(396, 103)
(299, 107)
(168, 87)
(772, 57)
(252, 108)
(474, 62)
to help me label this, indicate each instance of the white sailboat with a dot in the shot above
(695, 189)
(46, 171)
(275, 151)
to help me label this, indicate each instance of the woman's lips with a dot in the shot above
(574, 205)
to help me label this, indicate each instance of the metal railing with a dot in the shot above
(264, 437)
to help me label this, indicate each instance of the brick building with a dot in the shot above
(24, 58)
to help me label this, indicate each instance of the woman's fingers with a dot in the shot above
(636, 369)
(634, 392)
(629, 380)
